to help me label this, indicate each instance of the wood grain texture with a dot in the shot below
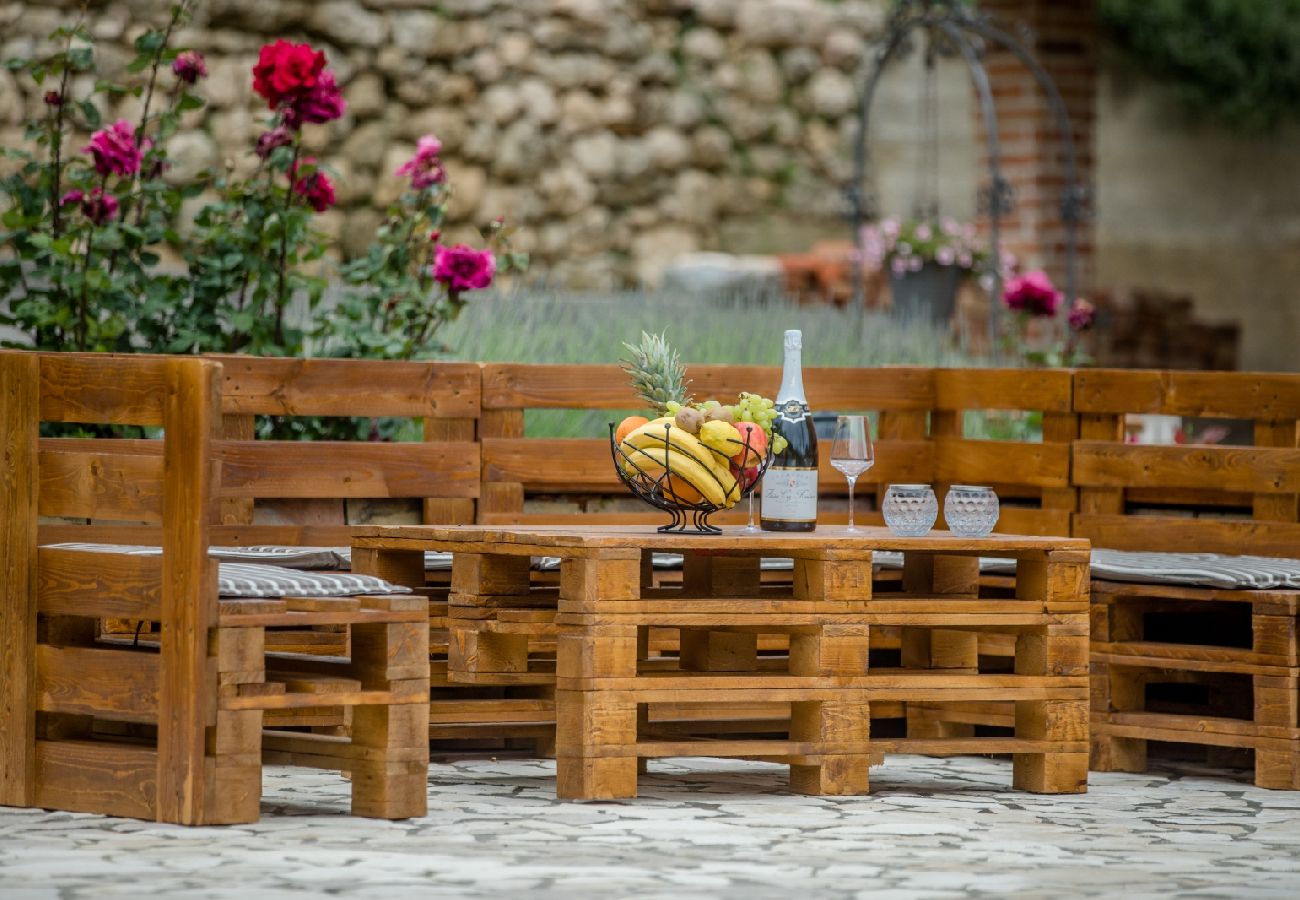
(100, 483)
(110, 585)
(979, 462)
(519, 386)
(192, 419)
(1247, 469)
(1044, 390)
(103, 388)
(19, 420)
(1171, 534)
(105, 779)
(348, 387)
(121, 685)
(1229, 395)
(346, 469)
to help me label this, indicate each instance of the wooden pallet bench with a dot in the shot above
(168, 727)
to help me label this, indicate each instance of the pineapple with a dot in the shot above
(656, 372)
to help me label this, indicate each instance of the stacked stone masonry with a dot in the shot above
(617, 133)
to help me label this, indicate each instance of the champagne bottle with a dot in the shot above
(790, 485)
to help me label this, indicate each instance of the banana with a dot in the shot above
(653, 461)
(694, 460)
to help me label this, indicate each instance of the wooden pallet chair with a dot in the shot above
(1217, 667)
(168, 728)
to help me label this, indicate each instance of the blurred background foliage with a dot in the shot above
(1235, 60)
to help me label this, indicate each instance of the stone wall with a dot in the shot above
(617, 133)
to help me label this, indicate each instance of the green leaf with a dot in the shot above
(91, 112)
(188, 102)
(150, 42)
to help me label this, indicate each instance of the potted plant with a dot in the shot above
(926, 261)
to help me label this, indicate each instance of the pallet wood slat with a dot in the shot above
(111, 585)
(318, 387)
(109, 684)
(348, 469)
(1227, 395)
(103, 388)
(106, 482)
(1245, 469)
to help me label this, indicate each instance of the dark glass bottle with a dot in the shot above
(790, 485)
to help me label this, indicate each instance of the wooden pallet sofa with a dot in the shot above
(169, 726)
(1187, 649)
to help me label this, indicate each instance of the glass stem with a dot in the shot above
(751, 510)
(853, 480)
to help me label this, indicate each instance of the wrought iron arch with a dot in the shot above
(967, 31)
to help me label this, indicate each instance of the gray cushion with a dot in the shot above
(1197, 569)
(252, 580)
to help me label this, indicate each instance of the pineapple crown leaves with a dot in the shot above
(656, 372)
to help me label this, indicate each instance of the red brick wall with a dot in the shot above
(1062, 34)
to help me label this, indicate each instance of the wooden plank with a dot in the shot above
(191, 419)
(347, 469)
(1227, 395)
(1171, 534)
(348, 387)
(1277, 507)
(102, 778)
(99, 483)
(965, 746)
(449, 511)
(979, 462)
(1046, 390)
(1248, 469)
(19, 423)
(114, 389)
(111, 684)
(575, 465)
(518, 386)
(110, 585)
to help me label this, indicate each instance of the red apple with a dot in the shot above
(753, 435)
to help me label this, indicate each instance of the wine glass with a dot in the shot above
(852, 453)
(751, 526)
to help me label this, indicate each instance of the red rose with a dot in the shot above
(314, 187)
(285, 72)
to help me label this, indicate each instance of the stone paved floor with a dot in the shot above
(931, 829)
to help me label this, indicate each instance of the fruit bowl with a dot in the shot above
(663, 487)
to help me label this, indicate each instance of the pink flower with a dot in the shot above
(1082, 315)
(286, 72)
(114, 149)
(1032, 293)
(315, 188)
(923, 232)
(96, 206)
(53, 98)
(435, 236)
(945, 256)
(189, 66)
(280, 136)
(425, 168)
(323, 103)
(462, 268)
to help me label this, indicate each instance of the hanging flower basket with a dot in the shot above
(929, 294)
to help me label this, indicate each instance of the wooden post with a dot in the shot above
(191, 417)
(19, 421)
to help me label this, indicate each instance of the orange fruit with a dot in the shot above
(629, 425)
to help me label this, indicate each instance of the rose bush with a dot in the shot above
(1033, 298)
(84, 232)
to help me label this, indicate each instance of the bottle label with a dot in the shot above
(792, 410)
(790, 495)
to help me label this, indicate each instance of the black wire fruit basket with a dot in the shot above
(655, 484)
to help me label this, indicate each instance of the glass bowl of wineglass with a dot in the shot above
(852, 453)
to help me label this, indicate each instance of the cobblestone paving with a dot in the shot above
(930, 829)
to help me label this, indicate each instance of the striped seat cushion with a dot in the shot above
(273, 555)
(245, 579)
(1197, 570)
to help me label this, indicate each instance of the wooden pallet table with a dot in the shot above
(611, 689)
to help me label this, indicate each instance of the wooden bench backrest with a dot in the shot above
(442, 470)
(920, 435)
(1214, 498)
(1031, 478)
(171, 482)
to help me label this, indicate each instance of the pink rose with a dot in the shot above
(323, 103)
(1033, 293)
(462, 268)
(1082, 315)
(114, 149)
(285, 72)
(315, 188)
(425, 168)
(189, 66)
(96, 206)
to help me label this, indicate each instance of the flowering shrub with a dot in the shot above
(907, 246)
(409, 285)
(1031, 297)
(84, 230)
